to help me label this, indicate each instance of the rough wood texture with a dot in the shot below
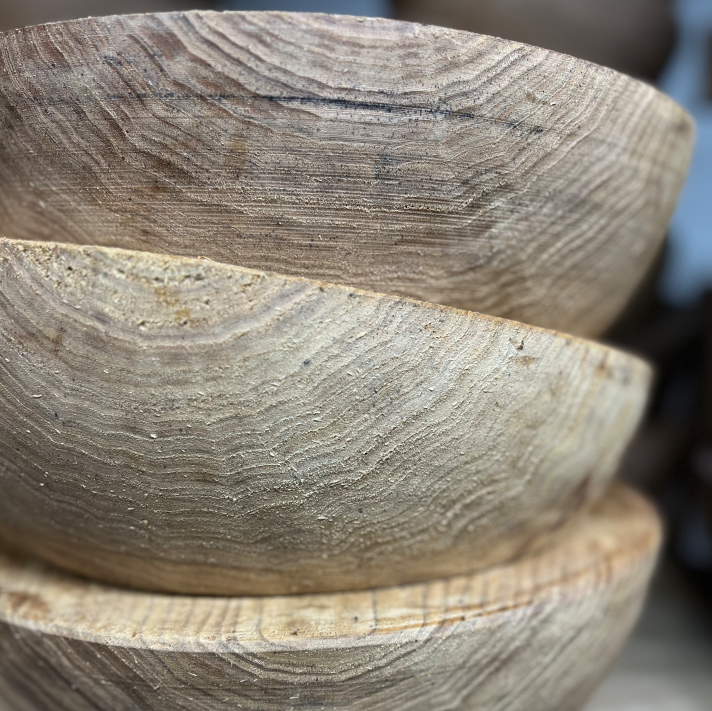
(185, 425)
(533, 636)
(454, 168)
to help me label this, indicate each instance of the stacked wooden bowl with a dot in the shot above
(248, 387)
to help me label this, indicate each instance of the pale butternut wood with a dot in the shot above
(532, 636)
(179, 424)
(454, 168)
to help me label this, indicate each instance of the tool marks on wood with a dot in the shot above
(454, 168)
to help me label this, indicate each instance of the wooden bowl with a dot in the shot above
(536, 635)
(450, 167)
(183, 425)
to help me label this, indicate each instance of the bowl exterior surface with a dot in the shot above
(190, 426)
(454, 168)
(533, 636)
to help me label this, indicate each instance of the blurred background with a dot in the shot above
(667, 665)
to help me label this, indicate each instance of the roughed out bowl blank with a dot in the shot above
(536, 635)
(455, 168)
(179, 424)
